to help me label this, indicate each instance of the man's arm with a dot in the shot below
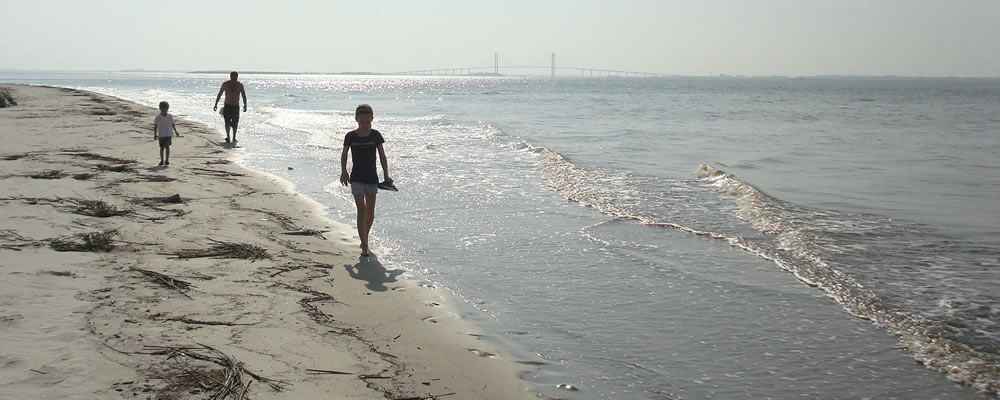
(344, 177)
(243, 93)
(219, 96)
(385, 163)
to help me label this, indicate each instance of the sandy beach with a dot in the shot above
(124, 279)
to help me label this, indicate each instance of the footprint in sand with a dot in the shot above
(432, 319)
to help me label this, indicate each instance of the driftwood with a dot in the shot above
(323, 371)
(187, 320)
(166, 280)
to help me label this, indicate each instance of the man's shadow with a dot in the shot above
(371, 270)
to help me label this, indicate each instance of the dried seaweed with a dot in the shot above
(91, 241)
(93, 156)
(305, 232)
(48, 174)
(187, 320)
(307, 303)
(232, 383)
(157, 178)
(97, 208)
(247, 251)
(84, 176)
(116, 168)
(278, 270)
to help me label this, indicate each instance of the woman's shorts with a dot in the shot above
(363, 188)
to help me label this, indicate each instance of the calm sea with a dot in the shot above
(668, 238)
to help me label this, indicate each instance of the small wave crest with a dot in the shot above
(862, 261)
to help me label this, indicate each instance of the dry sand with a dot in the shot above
(243, 283)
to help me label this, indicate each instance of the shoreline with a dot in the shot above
(239, 271)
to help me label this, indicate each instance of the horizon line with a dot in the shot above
(371, 73)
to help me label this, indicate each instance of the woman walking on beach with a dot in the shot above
(363, 178)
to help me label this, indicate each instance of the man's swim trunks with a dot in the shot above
(231, 113)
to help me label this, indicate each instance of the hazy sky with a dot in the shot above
(687, 37)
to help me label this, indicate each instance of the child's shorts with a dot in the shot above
(164, 141)
(363, 188)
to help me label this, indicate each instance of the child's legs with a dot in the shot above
(167, 150)
(359, 202)
(369, 213)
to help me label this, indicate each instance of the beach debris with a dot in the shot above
(11, 317)
(91, 241)
(307, 303)
(60, 273)
(6, 100)
(212, 162)
(48, 174)
(94, 156)
(427, 397)
(324, 371)
(84, 176)
(221, 249)
(166, 280)
(288, 268)
(15, 157)
(192, 321)
(172, 199)
(157, 178)
(228, 383)
(115, 168)
(217, 172)
(97, 208)
(305, 232)
(10, 235)
(566, 386)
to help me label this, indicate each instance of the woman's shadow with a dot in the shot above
(372, 271)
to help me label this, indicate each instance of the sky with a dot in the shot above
(682, 37)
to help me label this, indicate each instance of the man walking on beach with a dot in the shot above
(231, 109)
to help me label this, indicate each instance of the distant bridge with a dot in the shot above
(496, 68)
(496, 71)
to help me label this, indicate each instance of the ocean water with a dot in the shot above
(667, 238)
